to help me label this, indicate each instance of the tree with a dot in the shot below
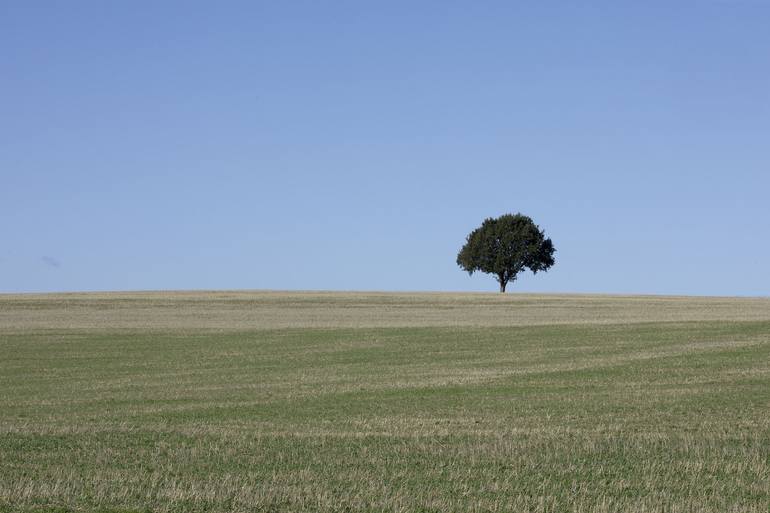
(506, 246)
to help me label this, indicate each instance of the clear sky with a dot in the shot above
(353, 145)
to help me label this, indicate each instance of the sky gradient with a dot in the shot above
(353, 145)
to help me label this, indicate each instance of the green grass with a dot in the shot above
(567, 415)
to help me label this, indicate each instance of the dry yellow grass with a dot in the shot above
(256, 310)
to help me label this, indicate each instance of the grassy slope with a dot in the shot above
(383, 402)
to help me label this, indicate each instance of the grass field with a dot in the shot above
(267, 401)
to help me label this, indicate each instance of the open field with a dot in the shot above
(270, 401)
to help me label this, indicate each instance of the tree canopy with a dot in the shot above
(505, 246)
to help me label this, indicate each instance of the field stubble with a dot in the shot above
(267, 401)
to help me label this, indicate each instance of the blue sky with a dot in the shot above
(353, 145)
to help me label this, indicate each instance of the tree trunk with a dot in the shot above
(502, 286)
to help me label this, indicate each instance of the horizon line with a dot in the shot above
(372, 291)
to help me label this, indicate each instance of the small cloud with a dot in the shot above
(51, 261)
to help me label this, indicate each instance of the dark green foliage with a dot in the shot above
(506, 246)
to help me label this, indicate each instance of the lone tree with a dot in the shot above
(506, 246)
